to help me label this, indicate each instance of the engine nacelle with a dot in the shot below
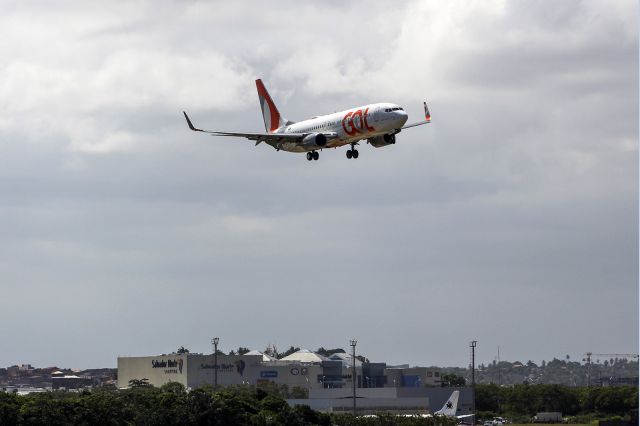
(314, 140)
(382, 140)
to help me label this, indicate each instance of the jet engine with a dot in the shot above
(382, 140)
(314, 140)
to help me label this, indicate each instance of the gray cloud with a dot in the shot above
(511, 219)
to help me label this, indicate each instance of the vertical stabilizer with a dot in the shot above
(451, 406)
(270, 114)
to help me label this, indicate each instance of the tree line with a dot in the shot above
(172, 404)
(584, 403)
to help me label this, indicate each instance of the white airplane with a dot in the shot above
(376, 123)
(449, 409)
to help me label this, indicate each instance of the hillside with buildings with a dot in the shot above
(613, 371)
(25, 378)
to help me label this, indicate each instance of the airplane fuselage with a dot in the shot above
(350, 126)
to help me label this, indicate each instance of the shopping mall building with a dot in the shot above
(322, 377)
(303, 368)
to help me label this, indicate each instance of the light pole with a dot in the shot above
(473, 378)
(214, 342)
(353, 343)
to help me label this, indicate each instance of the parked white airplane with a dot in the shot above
(450, 407)
(376, 123)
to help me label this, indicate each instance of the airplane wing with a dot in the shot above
(465, 416)
(259, 137)
(427, 119)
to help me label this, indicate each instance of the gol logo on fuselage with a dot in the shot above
(355, 122)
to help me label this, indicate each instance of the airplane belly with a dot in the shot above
(288, 146)
(294, 147)
(335, 143)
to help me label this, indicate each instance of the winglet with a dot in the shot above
(427, 115)
(189, 123)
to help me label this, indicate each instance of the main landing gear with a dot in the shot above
(352, 153)
(313, 155)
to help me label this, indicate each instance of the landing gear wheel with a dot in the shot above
(309, 156)
(355, 153)
(349, 154)
(315, 155)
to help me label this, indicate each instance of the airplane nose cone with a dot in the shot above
(402, 117)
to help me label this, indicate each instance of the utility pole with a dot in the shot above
(214, 342)
(589, 368)
(354, 375)
(473, 378)
(499, 378)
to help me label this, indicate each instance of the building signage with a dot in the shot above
(171, 366)
(238, 366)
(303, 371)
(268, 374)
(222, 368)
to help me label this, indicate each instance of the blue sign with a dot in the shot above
(411, 381)
(268, 374)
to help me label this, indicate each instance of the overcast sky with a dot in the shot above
(512, 219)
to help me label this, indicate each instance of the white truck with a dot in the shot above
(547, 417)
